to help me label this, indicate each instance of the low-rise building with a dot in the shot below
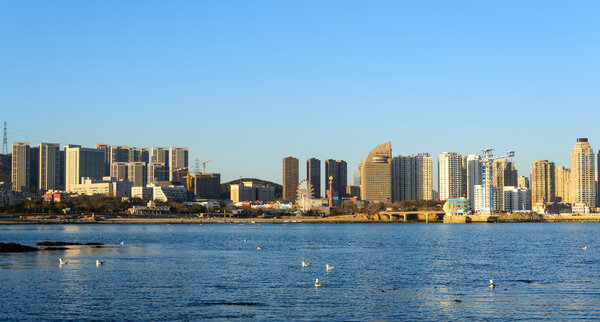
(107, 186)
(457, 207)
(169, 193)
(249, 191)
(145, 193)
(580, 208)
(55, 195)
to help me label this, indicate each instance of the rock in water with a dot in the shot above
(16, 248)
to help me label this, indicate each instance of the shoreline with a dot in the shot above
(343, 219)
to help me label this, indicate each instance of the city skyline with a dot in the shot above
(397, 68)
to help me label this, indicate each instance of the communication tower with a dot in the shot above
(5, 141)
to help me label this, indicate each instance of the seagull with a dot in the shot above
(317, 284)
(258, 248)
(492, 285)
(98, 263)
(349, 244)
(584, 248)
(244, 240)
(122, 243)
(329, 268)
(305, 264)
(61, 262)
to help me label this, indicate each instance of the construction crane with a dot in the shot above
(487, 194)
(204, 166)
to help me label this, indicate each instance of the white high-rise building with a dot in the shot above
(473, 175)
(516, 199)
(583, 173)
(450, 175)
(478, 192)
(82, 163)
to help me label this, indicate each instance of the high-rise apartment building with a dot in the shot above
(516, 199)
(357, 174)
(313, 175)
(137, 173)
(523, 182)
(543, 181)
(82, 163)
(463, 180)
(479, 198)
(49, 167)
(450, 175)
(161, 155)
(20, 166)
(105, 148)
(563, 184)
(402, 178)
(338, 170)
(473, 175)
(583, 172)
(34, 169)
(178, 159)
(157, 172)
(504, 174)
(290, 179)
(119, 171)
(119, 153)
(139, 155)
(412, 177)
(376, 175)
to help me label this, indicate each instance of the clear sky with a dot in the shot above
(246, 83)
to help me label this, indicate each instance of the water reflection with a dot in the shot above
(431, 272)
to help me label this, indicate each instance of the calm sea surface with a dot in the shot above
(389, 272)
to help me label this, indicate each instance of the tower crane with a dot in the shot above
(487, 194)
(204, 166)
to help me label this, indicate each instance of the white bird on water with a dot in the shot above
(317, 284)
(258, 248)
(492, 285)
(98, 263)
(305, 264)
(61, 262)
(329, 268)
(122, 243)
(584, 248)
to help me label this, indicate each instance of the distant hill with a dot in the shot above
(5, 165)
(225, 186)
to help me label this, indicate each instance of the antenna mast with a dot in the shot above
(5, 141)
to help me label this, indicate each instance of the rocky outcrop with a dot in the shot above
(16, 248)
(48, 243)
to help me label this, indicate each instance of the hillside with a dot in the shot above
(225, 186)
(5, 165)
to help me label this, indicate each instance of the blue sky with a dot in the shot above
(246, 83)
